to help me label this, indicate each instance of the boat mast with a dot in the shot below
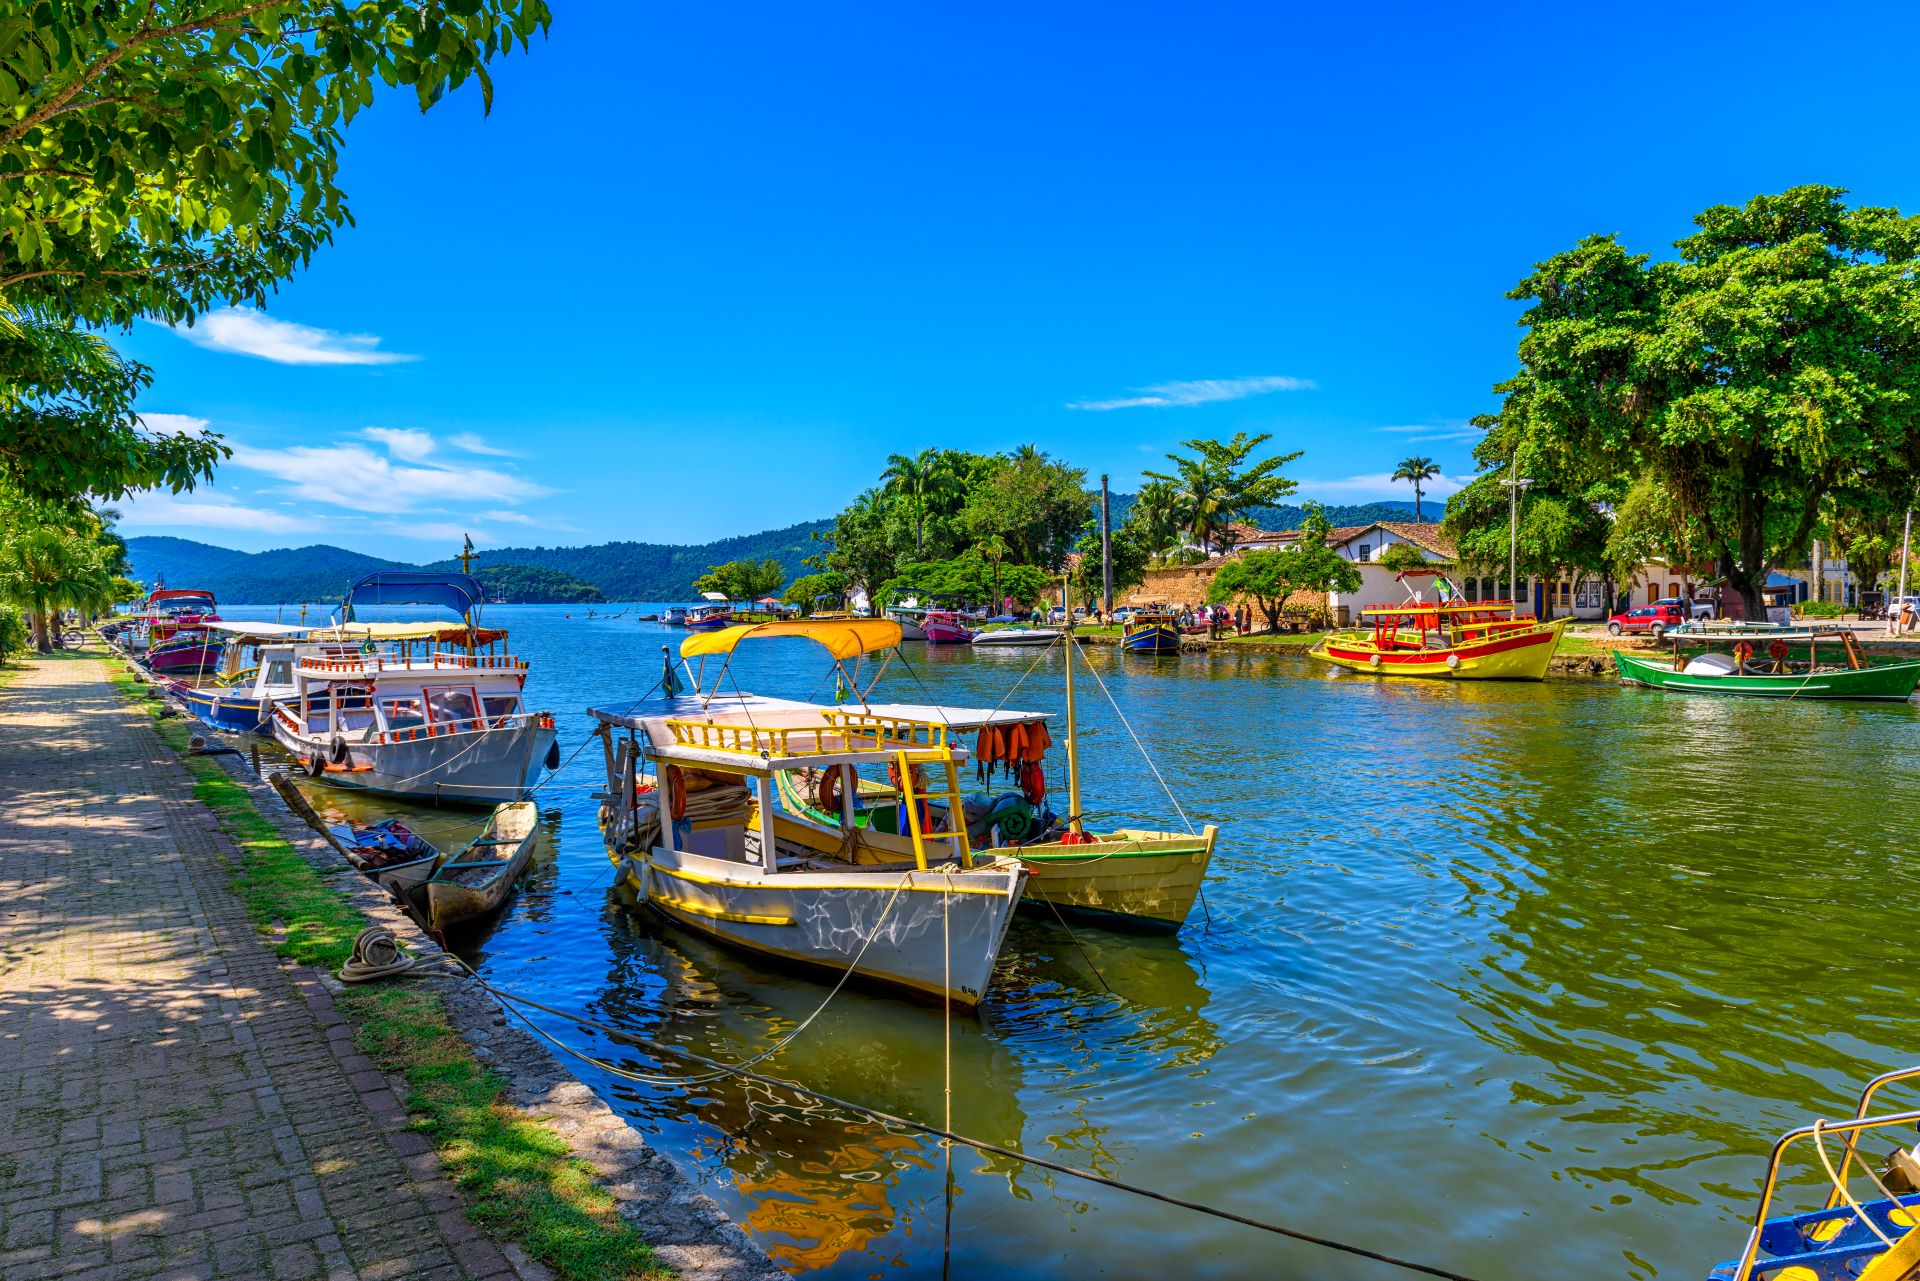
(1073, 741)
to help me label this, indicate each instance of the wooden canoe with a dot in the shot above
(477, 880)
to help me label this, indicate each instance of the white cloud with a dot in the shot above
(473, 444)
(1378, 485)
(153, 509)
(512, 518)
(1203, 391)
(352, 475)
(173, 424)
(403, 442)
(245, 331)
(1440, 433)
(442, 532)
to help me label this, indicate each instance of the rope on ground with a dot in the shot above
(512, 1001)
(375, 956)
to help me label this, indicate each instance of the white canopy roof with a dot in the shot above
(241, 628)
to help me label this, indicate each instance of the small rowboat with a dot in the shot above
(1770, 661)
(477, 880)
(390, 854)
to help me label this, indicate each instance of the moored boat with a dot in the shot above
(912, 622)
(1445, 639)
(1151, 631)
(445, 723)
(178, 640)
(708, 618)
(1768, 660)
(476, 880)
(946, 627)
(703, 842)
(1870, 1236)
(240, 697)
(1011, 636)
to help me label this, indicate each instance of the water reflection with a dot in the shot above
(1553, 963)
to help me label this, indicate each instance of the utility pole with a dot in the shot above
(1106, 548)
(1514, 486)
(1906, 547)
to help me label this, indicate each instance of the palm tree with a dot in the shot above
(46, 569)
(1419, 470)
(1216, 485)
(1156, 514)
(917, 479)
(995, 549)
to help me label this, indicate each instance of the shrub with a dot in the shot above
(1819, 609)
(13, 632)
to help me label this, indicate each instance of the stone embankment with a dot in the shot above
(179, 1101)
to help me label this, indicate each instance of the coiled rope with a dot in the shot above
(511, 1003)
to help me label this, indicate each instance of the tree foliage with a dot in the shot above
(1268, 578)
(743, 580)
(54, 558)
(808, 588)
(1215, 485)
(161, 157)
(535, 585)
(967, 579)
(1417, 471)
(1772, 367)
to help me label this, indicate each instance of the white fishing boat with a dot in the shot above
(1018, 636)
(913, 622)
(700, 838)
(418, 709)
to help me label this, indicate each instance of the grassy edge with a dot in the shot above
(517, 1175)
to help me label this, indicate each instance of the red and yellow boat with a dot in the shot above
(1446, 639)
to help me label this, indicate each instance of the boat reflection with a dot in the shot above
(817, 1183)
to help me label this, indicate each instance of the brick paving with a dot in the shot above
(176, 1101)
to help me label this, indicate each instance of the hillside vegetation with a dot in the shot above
(529, 585)
(617, 571)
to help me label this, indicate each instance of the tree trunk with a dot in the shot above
(1747, 570)
(42, 634)
(1270, 606)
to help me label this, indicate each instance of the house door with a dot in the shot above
(1539, 597)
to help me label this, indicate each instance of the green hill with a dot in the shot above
(617, 571)
(527, 585)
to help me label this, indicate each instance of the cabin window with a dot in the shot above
(280, 672)
(451, 703)
(498, 705)
(1366, 552)
(403, 713)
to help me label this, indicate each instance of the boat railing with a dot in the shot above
(1749, 1257)
(468, 725)
(850, 732)
(1867, 1092)
(386, 660)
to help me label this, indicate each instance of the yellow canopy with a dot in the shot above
(842, 637)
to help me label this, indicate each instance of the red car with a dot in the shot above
(1651, 619)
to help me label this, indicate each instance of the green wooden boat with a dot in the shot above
(1770, 662)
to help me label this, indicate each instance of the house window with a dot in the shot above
(1586, 594)
(1471, 589)
(1366, 551)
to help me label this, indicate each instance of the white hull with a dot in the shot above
(823, 918)
(484, 767)
(1036, 637)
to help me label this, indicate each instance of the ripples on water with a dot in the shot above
(1488, 975)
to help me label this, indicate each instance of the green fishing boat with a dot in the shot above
(1769, 661)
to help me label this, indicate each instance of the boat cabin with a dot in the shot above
(421, 684)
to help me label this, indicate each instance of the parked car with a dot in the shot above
(1700, 608)
(1653, 620)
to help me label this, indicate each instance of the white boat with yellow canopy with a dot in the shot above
(700, 838)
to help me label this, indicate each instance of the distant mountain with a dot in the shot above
(658, 571)
(285, 575)
(1290, 517)
(619, 571)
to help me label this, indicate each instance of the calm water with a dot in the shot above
(1498, 977)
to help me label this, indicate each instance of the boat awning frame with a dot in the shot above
(844, 638)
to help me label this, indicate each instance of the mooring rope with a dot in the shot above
(510, 1002)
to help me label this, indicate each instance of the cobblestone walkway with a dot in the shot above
(175, 1101)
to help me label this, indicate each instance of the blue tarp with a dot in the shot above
(457, 592)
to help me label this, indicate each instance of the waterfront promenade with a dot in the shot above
(175, 1100)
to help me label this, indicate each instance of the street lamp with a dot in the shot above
(1515, 486)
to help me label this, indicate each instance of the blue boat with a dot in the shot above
(1150, 632)
(1870, 1235)
(241, 699)
(239, 711)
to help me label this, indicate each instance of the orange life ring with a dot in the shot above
(827, 796)
(1777, 650)
(1742, 651)
(677, 791)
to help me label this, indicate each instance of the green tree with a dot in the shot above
(1401, 557)
(1268, 578)
(46, 569)
(743, 580)
(1417, 470)
(14, 634)
(163, 157)
(1774, 364)
(1156, 521)
(1128, 551)
(967, 579)
(807, 588)
(917, 480)
(1033, 503)
(1215, 484)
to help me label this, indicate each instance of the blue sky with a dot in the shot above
(705, 267)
